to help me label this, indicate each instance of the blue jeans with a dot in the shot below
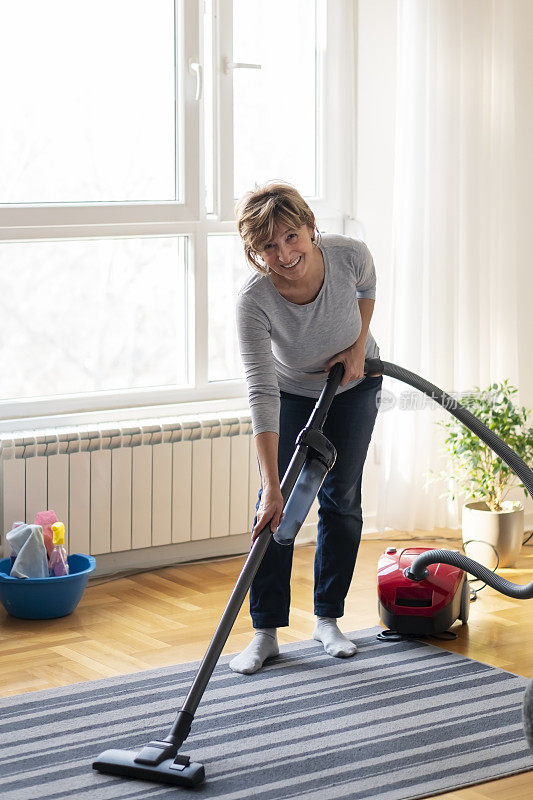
(348, 426)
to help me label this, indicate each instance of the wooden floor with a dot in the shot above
(167, 617)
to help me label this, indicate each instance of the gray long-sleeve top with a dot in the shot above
(286, 346)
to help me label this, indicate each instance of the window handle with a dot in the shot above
(196, 67)
(230, 65)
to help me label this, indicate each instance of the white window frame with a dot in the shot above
(332, 206)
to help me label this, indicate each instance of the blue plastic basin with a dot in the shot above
(45, 598)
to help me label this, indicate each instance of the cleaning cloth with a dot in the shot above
(27, 542)
(46, 519)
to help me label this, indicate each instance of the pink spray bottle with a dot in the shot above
(58, 556)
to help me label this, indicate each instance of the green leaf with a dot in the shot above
(473, 468)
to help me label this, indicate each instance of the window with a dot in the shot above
(105, 314)
(89, 104)
(275, 125)
(130, 127)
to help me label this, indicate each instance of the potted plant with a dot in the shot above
(477, 473)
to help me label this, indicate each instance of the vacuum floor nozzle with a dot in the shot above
(122, 762)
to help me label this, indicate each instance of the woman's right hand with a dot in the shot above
(270, 510)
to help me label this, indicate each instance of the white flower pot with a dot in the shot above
(504, 530)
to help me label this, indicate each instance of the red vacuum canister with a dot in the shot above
(418, 607)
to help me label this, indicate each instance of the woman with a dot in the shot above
(307, 307)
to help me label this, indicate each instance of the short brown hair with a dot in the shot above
(260, 210)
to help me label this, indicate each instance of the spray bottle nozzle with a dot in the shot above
(58, 532)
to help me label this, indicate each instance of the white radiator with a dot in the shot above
(126, 487)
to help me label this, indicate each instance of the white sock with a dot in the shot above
(335, 643)
(264, 645)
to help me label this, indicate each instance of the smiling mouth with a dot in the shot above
(294, 263)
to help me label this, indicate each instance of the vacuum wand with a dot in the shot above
(159, 760)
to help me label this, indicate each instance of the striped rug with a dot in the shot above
(400, 720)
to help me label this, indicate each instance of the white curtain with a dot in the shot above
(454, 295)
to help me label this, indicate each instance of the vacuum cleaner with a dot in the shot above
(423, 591)
(161, 760)
(424, 607)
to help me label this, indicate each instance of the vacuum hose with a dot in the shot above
(463, 415)
(418, 571)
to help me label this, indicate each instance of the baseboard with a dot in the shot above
(170, 554)
(167, 555)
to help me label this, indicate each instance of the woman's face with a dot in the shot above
(290, 252)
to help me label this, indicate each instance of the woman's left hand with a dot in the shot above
(353, 359)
